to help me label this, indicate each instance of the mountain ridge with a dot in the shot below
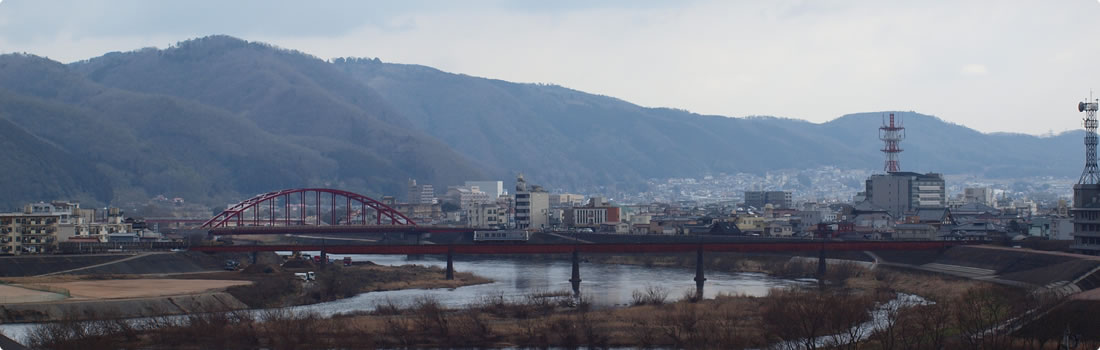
(218, 118)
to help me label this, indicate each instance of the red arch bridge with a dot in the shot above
(622, 248)
(322, 210)
(315, 211)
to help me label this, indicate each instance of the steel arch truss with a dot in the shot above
(265, 210)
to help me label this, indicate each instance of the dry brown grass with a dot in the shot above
(538, 321)
(925, 284)
(430, 281)
(558, 320)
(547, 320)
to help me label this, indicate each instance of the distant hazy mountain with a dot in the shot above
(564, 136)
(218, 118)
(262, 129)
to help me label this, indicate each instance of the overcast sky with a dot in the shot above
(1016, 66)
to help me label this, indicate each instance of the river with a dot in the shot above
(604, 285)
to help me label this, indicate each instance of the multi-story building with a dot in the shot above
(41, 226)
(22, 233)
(421, 194)
(493, 188)
(566, 200)
(102, 231)
(817, 216)
(901, 192)
(540, 208)
(983, 195)
(532, 205)
(523, 204)
(758, 199)
(1086, 219)
(469, 196)
(485, 215)
(421, 213)
(591, 216)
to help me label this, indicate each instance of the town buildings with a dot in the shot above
(899, 193)
(420, 194)
(40, 227)
(566, 200)
(469, 196)
(485, 215)
(493, 189)
(598, 212)
(980, 195)
(778, 199)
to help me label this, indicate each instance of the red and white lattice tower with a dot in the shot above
(1091, 175)
(891, 134)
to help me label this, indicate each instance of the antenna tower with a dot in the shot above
(892, 134)
(1091, 176)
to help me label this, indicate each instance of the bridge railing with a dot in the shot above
(626, 248)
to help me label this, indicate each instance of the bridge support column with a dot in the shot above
(450, 274)
(821, 268)
(699, 278)
(576, 278)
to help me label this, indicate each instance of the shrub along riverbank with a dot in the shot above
(964, 314)
(274, 287)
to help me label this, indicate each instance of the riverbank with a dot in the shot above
(658, 317)
(496, 316)
(265, 284)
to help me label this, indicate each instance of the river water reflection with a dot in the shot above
(602, 284)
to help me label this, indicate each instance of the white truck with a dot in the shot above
(306, 276)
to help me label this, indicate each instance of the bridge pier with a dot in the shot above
(699, 278)
(576, 278)
(821, 268)
(324, 256)
(450, 274)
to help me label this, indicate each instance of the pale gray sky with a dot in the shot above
(1016, 66)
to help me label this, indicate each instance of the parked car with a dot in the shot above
(232, 265)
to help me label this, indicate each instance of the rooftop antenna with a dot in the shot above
(1090, 176)
(892, 135)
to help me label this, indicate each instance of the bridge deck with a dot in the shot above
(591, 248)
(333, 229)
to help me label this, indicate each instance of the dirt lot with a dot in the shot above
(141, 288)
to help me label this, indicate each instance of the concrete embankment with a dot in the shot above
(156, 263)
(121, 308)
(22, 266)
(115, 264)
(1020, 267)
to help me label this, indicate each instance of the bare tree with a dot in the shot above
(680, 324)
(431, 319)
(887, 333)
(980, 314)
(796, 318)
(845, 318)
